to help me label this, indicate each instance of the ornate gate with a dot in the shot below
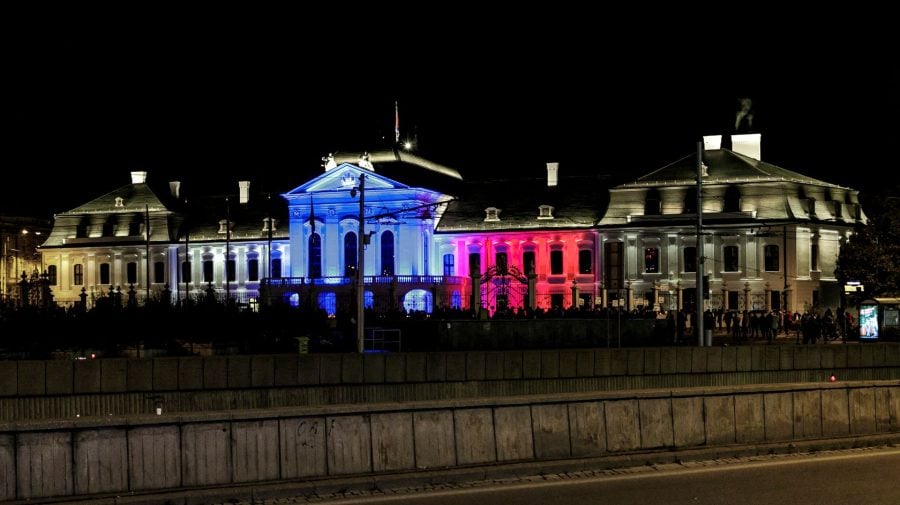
(503, 289)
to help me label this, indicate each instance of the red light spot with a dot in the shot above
(832, 379)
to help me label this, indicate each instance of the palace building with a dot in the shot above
(431, 239)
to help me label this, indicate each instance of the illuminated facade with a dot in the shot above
(550, 242)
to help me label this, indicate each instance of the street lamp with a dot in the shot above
(360, 262)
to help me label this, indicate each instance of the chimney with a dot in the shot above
(175, 189)
(138, 177)
(244, 187)
(711, 142)
(552, 171)
(747, 144)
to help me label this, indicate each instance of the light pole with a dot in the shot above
(360, 264)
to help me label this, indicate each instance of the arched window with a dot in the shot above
(314, 271)
(350, 250)
(208, 270)
(276, 268)
(387, 253)
(253, 269)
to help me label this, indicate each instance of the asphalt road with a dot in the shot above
(870, 476)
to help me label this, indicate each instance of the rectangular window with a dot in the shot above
(770, 254)
(449, 267)
(615, 267)
(159, 272)
(131, 273)
(51, 275)
(253, 269)
(474, 264)
(186, 271)
(690, 259)
(207, 271)
(230, 268)
(78, 275)
(651, 260)
(104, 273)
(585, 261)
(276, 268)
(134, 228)
(502, 264)
(528, 264)
(730, 258)
(556, 262)
(814, 257)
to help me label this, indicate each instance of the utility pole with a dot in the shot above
(699, 296)
(147, 253)
(360, 270)
(227, 251)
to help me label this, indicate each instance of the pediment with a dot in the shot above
(343, 178)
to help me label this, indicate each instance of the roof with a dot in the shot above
(202, 218)
(724, 166)
(135, 198)
(577, 202)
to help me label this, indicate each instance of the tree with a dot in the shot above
(872, 254)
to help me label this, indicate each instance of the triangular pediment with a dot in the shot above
(343, 178)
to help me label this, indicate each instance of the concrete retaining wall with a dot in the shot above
(114, 455)
(48, 378)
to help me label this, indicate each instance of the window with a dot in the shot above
(107, 229)
(328, 303)
(732, 200)
(134, 228)
(449, 267)
(652, 203)
(131, 273)
(730, 253)
(253, 269)
(502, 263)
(350, 250)
(615, 266)
(770, 255)
(159, 272)
(207, 270)
(78, 275)
(690, 259)
(276, 268)
(585, 261)
(185, 271)
(474, 264)
(314, 269)
(690, 200)
(556, 262)
(51, 275)
(387, 253)
(814, 257)
(81, 231)
(557, 300)
(528, 262)
(651, 260)
(104, 273)
(230, 268)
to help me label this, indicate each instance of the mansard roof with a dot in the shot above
(577, 202)
(202, 217)
(724, 167)
(135, 198)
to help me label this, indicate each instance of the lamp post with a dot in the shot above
(360, 264)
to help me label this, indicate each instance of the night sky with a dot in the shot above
(214, 110)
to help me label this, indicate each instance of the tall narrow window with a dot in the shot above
(387, 253)
(315, 256)
(276, 268)
(730, 257)
(449, 267)
(104, 273)
(131, 273)
(474, 264)
(253, 269)
(528, 264)
(585, 261)
(690, 259)
(814, 257)
(186, 271)
(350, 250)
(732, 200)
(207, 270)
(770, 254)
(230, 269)
(51, 275)
(651, 260)
(159, 272)
(78, 274)
(690, 200)
(615, 265)
(652, 203)
(556, 262)
(502, 262)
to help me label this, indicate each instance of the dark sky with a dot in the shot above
(222, 106)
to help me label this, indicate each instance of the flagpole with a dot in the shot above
(360, 271)
(396, 122)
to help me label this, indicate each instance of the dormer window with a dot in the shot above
(120, 202)
(492, 215)
(269, 224)
(545, 212)
(224, 225)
